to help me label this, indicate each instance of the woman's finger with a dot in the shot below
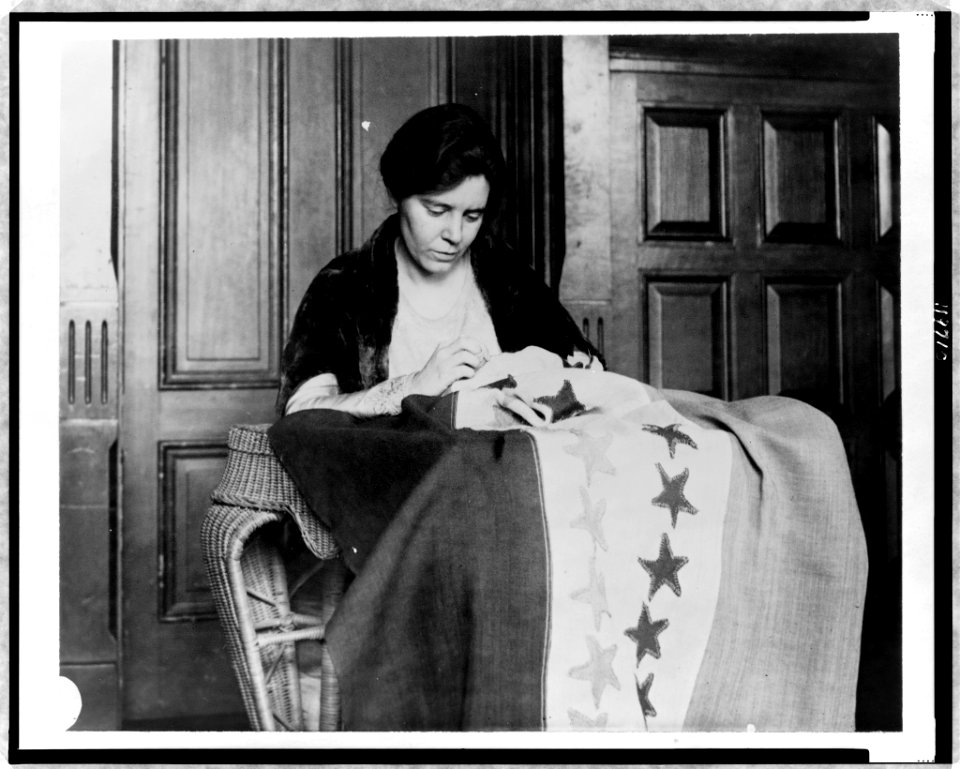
(466, 357)
(462, 372)
(470, 343)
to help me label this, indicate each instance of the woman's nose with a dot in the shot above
(453, 229)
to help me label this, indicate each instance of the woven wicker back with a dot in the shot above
(254, 477)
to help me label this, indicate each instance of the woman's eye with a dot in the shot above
(473, 217)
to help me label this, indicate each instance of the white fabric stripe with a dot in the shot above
(600, 474)
(632, 528)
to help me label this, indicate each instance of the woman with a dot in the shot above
(433, 294)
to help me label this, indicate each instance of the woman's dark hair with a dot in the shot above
(438, 148)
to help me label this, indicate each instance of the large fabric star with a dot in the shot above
(643, 694)
(663, 571)
(644, 635)
(593, 452)
(672, 496)
(507, 383)
(564, 404)
(598, 671)
(592, 519)
(579, 721)
(672, 436)
(595, 594)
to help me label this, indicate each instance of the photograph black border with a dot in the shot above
(942, 438)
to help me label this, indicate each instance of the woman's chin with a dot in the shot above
(440, 265)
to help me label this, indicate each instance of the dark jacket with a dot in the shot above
(345, 320)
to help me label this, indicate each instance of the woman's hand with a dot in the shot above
(449, 363)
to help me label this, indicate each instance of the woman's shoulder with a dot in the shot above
(358, 267)
(504, 271)
(337, 282)
(342, 268)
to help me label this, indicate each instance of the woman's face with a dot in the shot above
(438, 228)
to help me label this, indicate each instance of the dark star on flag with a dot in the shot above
(663, 571)
(672, 496)
(598, 671)
(644, 635)
(564, 404)
(643, 694)
(672, 436)
(507, 383)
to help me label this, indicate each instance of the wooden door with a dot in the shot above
(244, 167)
(214, 256)
(754, 251)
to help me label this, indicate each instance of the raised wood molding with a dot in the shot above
(685, 174)
(312, 163)
(344, 96)
(188, 473)
(686, 331)
(801, 177)
(886, 160)
(235, 331)
(804, 314)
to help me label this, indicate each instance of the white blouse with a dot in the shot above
(416, 336)
(413, 340)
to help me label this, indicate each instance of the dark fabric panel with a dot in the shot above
(356, 473)
(442, 528)
(406, 642)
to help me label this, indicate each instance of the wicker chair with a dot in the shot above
(249, 580)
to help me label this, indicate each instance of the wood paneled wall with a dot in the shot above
(223, 217)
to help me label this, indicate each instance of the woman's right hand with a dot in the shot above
(449, 363)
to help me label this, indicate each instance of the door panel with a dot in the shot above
(694, 308)
(190, 470)
(684, 172)
(800, 181)
(221, 171)
(804, 345)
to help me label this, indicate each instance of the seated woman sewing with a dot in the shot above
(434, 293)
(540, 544)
